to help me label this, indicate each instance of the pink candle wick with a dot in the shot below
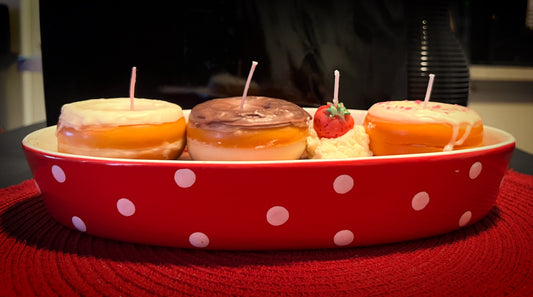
(428, 92)
(254, 63)
(336, 88)
(132, 86)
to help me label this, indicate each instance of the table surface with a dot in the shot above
(15, 170)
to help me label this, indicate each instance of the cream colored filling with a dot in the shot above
(353, 144)
(206, 152)
(165, 150)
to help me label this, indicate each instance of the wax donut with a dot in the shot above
(407, 127)
(264, 129)
(154, 129)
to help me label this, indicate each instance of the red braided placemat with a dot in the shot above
(490, 258)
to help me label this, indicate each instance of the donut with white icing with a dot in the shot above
(264, 129)
(153, 129)
(408, 127)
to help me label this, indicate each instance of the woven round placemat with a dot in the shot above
(39, 257)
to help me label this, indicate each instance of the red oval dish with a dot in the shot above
(270, 204)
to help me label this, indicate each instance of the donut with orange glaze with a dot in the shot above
(154, 129)
(264, 129)
(408, 127)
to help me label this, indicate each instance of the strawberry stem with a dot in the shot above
(339, 110)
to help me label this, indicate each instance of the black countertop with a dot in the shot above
(15, 170)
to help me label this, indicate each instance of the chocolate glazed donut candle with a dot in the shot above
(407, 127)
(122, 128)
(247, 128)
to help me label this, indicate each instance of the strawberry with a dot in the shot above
(332, 120)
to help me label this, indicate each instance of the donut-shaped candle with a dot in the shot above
(407, 127)
(263, 129)
(153, 129)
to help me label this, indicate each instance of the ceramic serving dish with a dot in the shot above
(270, 205)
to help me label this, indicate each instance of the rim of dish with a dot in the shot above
(508, 140)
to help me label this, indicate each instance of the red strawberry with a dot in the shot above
(332, 121)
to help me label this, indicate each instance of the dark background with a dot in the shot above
(197, 50)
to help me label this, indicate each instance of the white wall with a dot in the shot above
(507, 105)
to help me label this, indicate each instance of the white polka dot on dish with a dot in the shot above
(58, 174)
(184, 178)
(475, 170)
(343, 238)
(343, 184)
(277, 215)
(465, 218)
(125, 207)
(420, 201)
(199, 240)
(79, 224)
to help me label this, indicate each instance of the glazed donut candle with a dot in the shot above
(122, 127)
(264, 129)
(119, 128)
(407, 127)
(247, 128)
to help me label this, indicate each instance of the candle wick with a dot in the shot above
(254, 63)
(132, 86)
(428, 92)
(336, 88)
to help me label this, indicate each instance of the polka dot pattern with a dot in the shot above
(489, 258)
(59, 174)
(125, 207)
(79, 224)
(330, 209)
(343, 184)
(465, 218)
(420, 201)
(199, 240)
(277, 215)
(475, 170)
(185, 178)
(343, 238)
